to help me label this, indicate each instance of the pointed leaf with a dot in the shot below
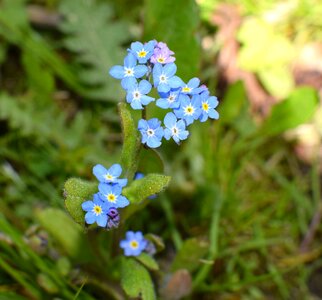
(148, 261)
(145, 187)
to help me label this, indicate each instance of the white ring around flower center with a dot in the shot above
(128, 72)
(189, 110)
(171, 98)
(175, 131)
(150, 132)
(163, 78)
(136, 95)
(97, 210)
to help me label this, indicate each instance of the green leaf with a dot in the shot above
(175, 22)
(64, 230)
(98, 41)
(156, 240)
(278, 81)
(136, 280)
(297, 109)
(145, 187)
(76, 191)
(148, 261)
(190, 254)
(131, 141)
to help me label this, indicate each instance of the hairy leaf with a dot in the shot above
(136, 280)
(76, 191)
(97, 40)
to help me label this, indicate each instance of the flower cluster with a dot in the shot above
(188, 102)
(103, 208)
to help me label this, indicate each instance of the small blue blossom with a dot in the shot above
(96, 211)
(162, 54)
(189, 110)
(151, 132)
(191, 87)
(164, 79)
(109, 175)
(136, 95)
(142, 51)
(134, 243)
(169, 99)
(174, 128)
(129, 72)
(111, 194)
(208, 105)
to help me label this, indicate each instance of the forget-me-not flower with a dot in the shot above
(142, 51)
(192, 87)
(96, 211)
(151, 132)
(134, 243)
(208, 105)
(162, 54)
(111, 194)
(189, 110)
(129, 72)
(174, 128)
(164, 79)
(136, 95)
(169, 100)
(109, 175)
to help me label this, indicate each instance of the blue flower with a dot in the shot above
(142, 52)
(191, 87)
(169, 99)
(109, 175)
(162, 54)
(111, 194)
(189, 110)
(151, 132)
(96, 211)
(164, 79)
(174, 128)
(208, 105)
(129, 72)
(134, 243)
(136, 95)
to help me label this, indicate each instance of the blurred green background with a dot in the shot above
(242, 216)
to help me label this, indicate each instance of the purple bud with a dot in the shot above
(113, 213)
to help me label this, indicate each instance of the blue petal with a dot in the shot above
(138, 236)
(213, 101)
(154, 123)
(143, 125)
(87, 205)
(145, 100)
(90, 218)
(122, 201)
(203, 117)
(213, 114)
(117, 72)
(175, 82)
(121, 182)
(194, 82)
(123, 244)
(101, 220)
(163, 88)
(163, 103)
(99, 171)
(170, 120)
(153, 142)
(136, 46)
(138, 175)
(167, 133)
(140, 71)
(144, 86)
(105, 188)
(128, 82)
(170, 69)
(130, 61)
(183, 134)
(129, 235)
(115, 170)
(159, 133)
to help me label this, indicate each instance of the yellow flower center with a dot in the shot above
(97, 209)
(160, 60)
(189, 110)
(186, 89)
(134, 244)
(205, 106)
(111, 198)
(142, 53)
(109, 177)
